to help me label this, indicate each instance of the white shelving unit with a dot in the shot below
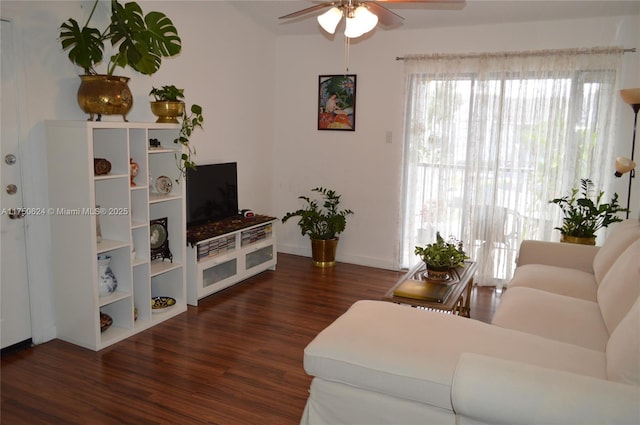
(219, 262)
(74, 192)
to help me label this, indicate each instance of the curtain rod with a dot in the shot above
(632, 50)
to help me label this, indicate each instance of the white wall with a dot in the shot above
(361, 165)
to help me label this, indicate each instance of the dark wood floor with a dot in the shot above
(235, 359)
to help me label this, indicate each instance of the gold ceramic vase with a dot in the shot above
(167, 111)
(104, 95)
(323, 252)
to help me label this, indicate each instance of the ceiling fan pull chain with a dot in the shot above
(346, 54)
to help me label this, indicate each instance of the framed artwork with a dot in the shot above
(159, 239)
(337, 102)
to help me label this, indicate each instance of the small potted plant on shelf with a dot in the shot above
(584, 215)
(441, 256)
(139, 40)
(167, 105)
(323, 222)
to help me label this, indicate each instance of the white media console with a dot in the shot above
(224, 253)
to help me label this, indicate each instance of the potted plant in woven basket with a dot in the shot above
(441, 256)
(585, 214)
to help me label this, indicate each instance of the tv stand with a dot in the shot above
(224, 252)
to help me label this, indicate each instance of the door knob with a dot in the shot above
(12, 189)
(10, 159)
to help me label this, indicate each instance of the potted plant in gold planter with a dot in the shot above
(140, 41)
(167, 105)
(441, 256)
(323, 222)
(583, 217)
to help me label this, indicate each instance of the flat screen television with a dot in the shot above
(212, 193)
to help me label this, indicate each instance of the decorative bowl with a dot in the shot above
(159, 304)
(105, 321)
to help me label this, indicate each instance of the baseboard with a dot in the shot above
(16, 347)
(344, 258)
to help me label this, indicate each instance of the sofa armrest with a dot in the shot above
(495, 391)
(569, 255)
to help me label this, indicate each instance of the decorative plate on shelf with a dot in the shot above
(159, 239)
(164, 185)
(105, 321)
(158, 235)
(159, 304)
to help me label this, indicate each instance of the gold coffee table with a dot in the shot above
(450, 296)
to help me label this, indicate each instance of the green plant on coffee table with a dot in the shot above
(582, 217)
(442, 255)
(321, 220)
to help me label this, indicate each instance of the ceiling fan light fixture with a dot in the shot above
(330, 19)
(362, 22)
(366, 19)
(352, 29)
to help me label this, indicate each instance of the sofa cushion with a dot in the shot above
(554, 316)
(559, 280)
(412, 353)
(567, 255)
(621, 236)
(623, 349)
(620, 287)
(494, 391)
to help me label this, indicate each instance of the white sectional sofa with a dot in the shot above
(563, 348)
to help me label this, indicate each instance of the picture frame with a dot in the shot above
(337, 102)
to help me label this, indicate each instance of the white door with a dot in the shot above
(15, 313)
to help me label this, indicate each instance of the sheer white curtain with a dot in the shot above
(491, 138)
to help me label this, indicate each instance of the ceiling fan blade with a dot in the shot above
(385, 16)
(421, 1)
(308, 10)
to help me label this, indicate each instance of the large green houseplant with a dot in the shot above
(584, 214)
(323, 221)
(141, 40)
(441, 256)
(138, 40)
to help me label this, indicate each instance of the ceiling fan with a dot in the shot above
(361, 16)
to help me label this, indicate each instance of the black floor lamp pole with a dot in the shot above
(632, 98)
(632, 173)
